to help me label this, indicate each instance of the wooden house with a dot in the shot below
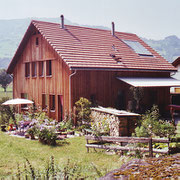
(56, 64)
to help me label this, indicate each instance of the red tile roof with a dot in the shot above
(82, 47)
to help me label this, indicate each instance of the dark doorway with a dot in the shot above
(120, 100)
(60, 107)
(153, 97)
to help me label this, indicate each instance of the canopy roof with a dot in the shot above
(150, 82)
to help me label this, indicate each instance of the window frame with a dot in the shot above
(27, 69)
(34, 69)
(41, 68)
(52, 102)
(44, 101)
(49, 68)
(24, 96)
(37, 41)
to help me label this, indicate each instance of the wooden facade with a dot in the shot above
(40, 86)
(54, 84)
(104, 88)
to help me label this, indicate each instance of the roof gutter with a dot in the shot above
(70, 77)
(119, 69)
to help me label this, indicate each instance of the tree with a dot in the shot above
(152, 125)
(83, 109)
(5, 79)
(138, 94)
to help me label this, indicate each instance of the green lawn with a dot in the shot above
(14, 150)
(8, 92)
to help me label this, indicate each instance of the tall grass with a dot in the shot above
(15, 151)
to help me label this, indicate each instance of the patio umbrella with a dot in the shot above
(17, 101)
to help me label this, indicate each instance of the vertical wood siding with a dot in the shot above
(57, 84)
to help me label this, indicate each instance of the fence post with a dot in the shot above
(87, 147)
(150, 147)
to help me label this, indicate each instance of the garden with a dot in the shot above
(33, 145)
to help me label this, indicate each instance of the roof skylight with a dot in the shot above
(137, 47)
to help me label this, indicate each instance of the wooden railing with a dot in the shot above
(99, 142)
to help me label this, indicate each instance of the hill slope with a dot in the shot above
(12, 31)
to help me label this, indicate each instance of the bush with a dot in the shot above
(32, 131)
(6, 112)
(40, 126)
(151, 125)
(83, 110)
(47, 135)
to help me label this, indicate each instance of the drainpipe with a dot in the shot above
(70, 76)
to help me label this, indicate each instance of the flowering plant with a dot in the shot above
(47, 135)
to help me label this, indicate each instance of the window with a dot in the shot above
(48, 68)
(44, 101)
(52, 102)
(137, 47)
(41, 68)
(24, 96)
(27, 69)
(37, 41)
(34, 69)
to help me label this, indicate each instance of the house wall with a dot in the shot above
(57, 84)
(108, 91)
(177, 76)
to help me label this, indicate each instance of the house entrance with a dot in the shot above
(120, 100)
(60, 107)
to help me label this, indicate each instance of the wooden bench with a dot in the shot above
(100, 143)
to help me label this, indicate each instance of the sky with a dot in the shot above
(153, 19)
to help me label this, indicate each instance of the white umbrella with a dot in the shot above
(17, 101)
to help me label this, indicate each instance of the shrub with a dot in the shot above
(32, 131)
(6, 112)
(47, 135)
(151, 125)
(83, 110)
(40, 126)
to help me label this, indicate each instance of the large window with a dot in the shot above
(52, 102)
(41, 68)
(44, 101)
(49, 68)
(34, 69)
(27, 69)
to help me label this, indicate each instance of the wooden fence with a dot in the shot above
(99, 142)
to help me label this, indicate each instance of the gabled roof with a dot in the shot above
(89, 48)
